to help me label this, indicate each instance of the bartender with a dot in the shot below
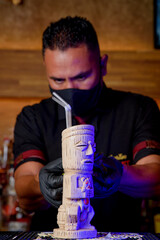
(127, 135)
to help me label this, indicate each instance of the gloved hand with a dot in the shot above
(51, 182)
(107, 172)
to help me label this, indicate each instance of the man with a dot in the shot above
(126, 132)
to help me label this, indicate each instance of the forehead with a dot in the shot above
(71, 58)
(80, 50)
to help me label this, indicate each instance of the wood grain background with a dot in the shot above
(120, 24)
(22, 73)
(125, 30)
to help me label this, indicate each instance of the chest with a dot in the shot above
(113, 135)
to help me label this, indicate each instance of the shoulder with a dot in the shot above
(30, 111)
(45, 103)
(129, 100)
(131, 108)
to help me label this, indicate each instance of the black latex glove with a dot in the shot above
(51, 182)
(107, 172)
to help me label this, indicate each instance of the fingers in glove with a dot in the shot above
(54, 166)
(55, 203)
(54, 181)
(101, 191)
(55, 194)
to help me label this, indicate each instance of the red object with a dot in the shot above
(29, 154)
(86, 201)
(145, 144)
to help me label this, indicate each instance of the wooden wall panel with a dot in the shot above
(23, 80)
(22, 73)
(121, 25)
(9, 109)
(135, 71)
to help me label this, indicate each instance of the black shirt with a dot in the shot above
(122, 120)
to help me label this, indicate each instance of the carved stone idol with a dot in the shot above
(75, 213)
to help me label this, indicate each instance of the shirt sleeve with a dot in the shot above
(146, 138)
(28, 141)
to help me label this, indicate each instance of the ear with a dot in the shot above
(104, 60)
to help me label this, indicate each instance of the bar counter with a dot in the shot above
(15, 235)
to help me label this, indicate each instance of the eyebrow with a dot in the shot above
(79, 75)
(56, 79)
(82, 74)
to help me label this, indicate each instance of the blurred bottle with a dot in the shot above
(13, 218)
(1, 208)
(6, 151)
(5, 157)
(9, 201)
(156, 216)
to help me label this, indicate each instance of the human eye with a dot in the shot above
(82, 78)
(58, 80)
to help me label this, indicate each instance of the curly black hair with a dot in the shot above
(70, 32)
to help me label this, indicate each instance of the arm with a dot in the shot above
(27, 136)
(27, 186)
(142, 179)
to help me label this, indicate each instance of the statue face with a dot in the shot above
(85, 150)
(78, 149)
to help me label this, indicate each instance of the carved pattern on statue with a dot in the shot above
(75, 213)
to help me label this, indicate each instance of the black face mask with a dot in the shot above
(82, 102)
